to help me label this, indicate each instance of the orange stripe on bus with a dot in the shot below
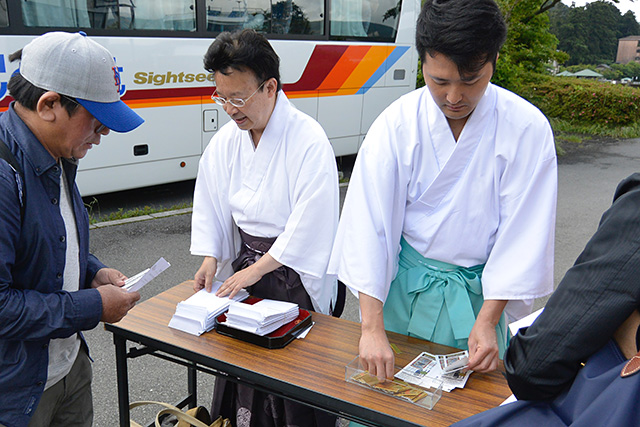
(369, 64)
(345, 66)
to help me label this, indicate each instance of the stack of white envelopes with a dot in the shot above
(261, 318)
(197, 314)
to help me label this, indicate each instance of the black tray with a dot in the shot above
(276, 339)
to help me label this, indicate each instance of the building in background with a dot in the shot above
(628, 50)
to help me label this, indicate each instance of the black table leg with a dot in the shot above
(192, 382)
(123, 379)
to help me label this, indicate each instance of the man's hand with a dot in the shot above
(376, 355)
(206, 274)
(116, 302)
(108, 276)
(483, 348)
(248, 276)
(483, 341)
(242, 279)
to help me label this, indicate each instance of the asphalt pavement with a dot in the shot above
(587, 177)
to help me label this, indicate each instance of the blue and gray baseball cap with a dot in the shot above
(74, 65)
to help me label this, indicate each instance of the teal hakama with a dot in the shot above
(436, 301)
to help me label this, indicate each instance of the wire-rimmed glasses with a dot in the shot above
(236, 102)
(97, 130)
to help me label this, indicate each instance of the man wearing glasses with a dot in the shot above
(66, 98)
(265, 208)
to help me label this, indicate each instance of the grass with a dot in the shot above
(131, 213)
(596, 130)
(571, 133)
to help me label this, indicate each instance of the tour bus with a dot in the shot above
(342, 62)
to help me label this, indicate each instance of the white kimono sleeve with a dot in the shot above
(213, 231)
(306, 242)
(365, 254)
(520, 264)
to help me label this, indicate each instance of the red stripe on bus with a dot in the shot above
(322, 61)
(167, 93)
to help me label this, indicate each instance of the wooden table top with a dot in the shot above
(311, 369)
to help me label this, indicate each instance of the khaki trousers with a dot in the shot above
(69, 402)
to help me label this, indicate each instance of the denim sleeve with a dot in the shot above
(93, 266)
(29, 311)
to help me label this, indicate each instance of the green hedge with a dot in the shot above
(583, 101)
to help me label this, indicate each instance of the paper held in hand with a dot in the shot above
(196, 315)
(135, 283)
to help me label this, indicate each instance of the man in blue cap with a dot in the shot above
(66, 96)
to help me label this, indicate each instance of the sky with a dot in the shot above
(622, 5)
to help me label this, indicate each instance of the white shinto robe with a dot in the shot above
(286, 187)
(489, 198)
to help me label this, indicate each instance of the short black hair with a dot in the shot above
(27, 94)
(243, 50)
(469, 32)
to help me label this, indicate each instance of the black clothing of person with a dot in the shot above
(594, 298)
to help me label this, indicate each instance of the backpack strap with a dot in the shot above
(8, 156)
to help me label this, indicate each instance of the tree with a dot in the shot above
(570, 27)
(628, 25)
(530, 47)
(602, 39)
(589, 34)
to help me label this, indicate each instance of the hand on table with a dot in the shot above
(206, 274)
(376, 355)
(483, 347)
(242, 279)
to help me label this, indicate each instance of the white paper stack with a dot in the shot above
(196, 315)
(261, 318)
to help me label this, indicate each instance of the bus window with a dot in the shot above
(55, 13)
(303, 17)
(231, 15)
(382, 20)
(110, 14)
(264, 16)
(174, 15)
(365, 18)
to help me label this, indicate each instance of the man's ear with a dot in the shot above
(272, 86)
(495, 64)
(48, 106)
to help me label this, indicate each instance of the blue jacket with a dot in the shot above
(33, 307)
